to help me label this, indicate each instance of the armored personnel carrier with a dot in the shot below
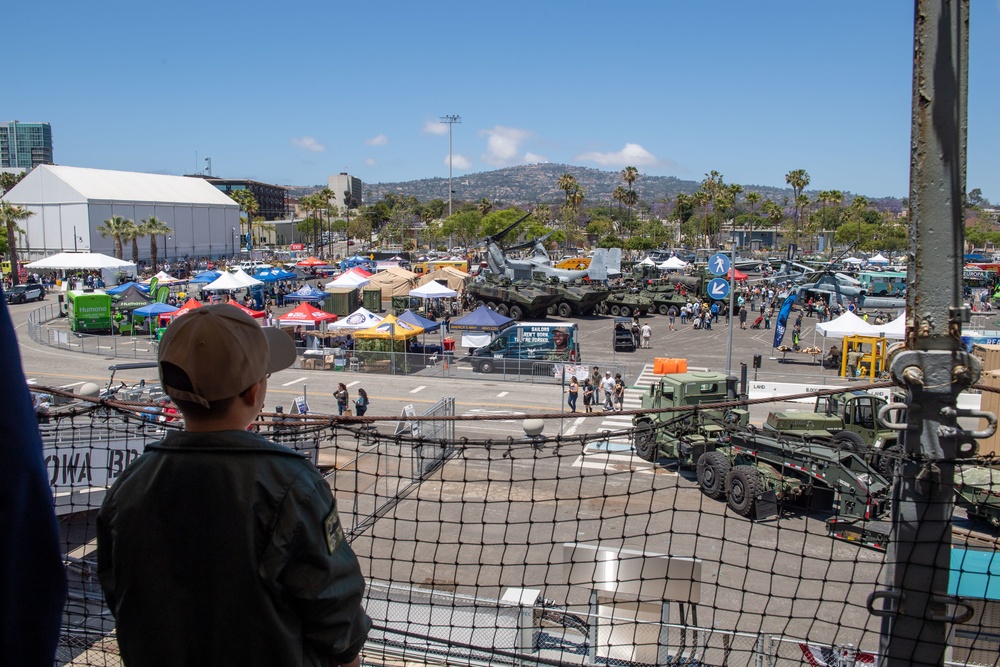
(664, 295)
(625, 304)
(575, 298)
(507, 297)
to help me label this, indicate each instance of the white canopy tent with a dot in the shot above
(896, 329)
(362, 318)
(87, 261)
(349, 279)
(229, 281)
(847, 324)
(852, 260)
(164, 278)
(672, 264)
(878, 259)
(647, 261)
(246, 278)
(433, 290)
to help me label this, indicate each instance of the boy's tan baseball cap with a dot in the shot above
(222, 351)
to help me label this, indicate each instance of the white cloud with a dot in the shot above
(534, 158)
(458, 161)
(435, 127)
(370, 162)
(503, 145)
(377, 140)
(309, 144)
(631, 155)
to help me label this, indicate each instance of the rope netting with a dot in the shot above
(565, 550)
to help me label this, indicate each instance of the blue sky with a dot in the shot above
(290, 93)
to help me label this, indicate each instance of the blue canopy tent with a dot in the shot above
(274, 275)
(478, 326)
(307, 293)
(413, 318)
(153, 311)
(357, 260)
(206, 277)
(118, 289)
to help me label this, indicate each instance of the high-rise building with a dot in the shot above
(25, 145)
(346, 190)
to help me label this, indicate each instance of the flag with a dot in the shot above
(779, 329)
(834, 656)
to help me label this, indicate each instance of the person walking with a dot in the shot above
(608, 387)
(743, 317)
(588, 396)
(343, 397)
(361, 402)
(619, 389)
(647, 333)
(572, 393)
(595, 378)
(671, 318)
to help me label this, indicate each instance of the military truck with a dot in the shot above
(686, 435)
(754, 471)
(850, 419)
(510, 298)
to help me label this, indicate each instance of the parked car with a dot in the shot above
(25, 293)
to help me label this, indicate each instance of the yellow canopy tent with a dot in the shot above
(391, 328)
(385, 344)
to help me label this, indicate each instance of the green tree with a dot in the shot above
(8, 180)
(464, 226)
(567, 183)
(153, 227)
(114, 227)
(752, 198)
(798, 179)
(130, 232)
(629, 174)
(11, 215)
(775, 213)
(484, 206)
(248, 204)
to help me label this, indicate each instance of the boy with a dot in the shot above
(218, 547)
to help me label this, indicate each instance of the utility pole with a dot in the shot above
(451, 120)
(915, 607)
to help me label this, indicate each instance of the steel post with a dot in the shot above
(933, 368)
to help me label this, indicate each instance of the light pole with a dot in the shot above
(234, 242)
(450, 120)
(166, 250)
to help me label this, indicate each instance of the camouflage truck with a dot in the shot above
(510, 298)
(850, 420)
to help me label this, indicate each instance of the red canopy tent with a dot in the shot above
(258, 314)
(306, 315)
(185, 308)
(358, 270)
(739, 274)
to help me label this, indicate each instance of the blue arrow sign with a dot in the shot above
(718, 264)
(718, 288)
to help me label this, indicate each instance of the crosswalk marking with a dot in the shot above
(420, 388)
(502, 394)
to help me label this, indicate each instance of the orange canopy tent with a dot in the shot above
(311, 261)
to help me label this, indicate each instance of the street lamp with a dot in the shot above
(166, 249)
(234, 242)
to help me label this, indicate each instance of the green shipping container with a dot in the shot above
(371, 298)
(342, 301)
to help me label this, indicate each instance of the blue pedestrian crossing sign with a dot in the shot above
(718, 288)
(718, 264)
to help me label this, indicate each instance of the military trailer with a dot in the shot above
(850, 419)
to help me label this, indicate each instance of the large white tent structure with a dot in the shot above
(87, 261)
(68, 204)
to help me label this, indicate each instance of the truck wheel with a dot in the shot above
(850, 441)
(887, 461)
(645, 441)
(744, 485)
(565, 310)
(615, 311)
(486, 367)
(551, 310)
(516, 312)
(624, 311)
(663, 308)
(502, 309)
(713, 468)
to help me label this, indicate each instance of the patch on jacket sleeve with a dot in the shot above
(334, 531)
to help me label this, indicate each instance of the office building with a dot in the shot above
(272, 199)
(346, 190)
(25, 145)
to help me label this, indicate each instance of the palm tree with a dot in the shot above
(568, 184)
(701, 198)
(734, 190)
(752, 198)
(485, 206)
(798, 179)
(10, 215)
(776, 213)
(629, 174)
(153, 227)
(114, 227)
(130, 232)
(248, 204)
(802, 202)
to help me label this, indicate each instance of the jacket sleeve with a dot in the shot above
(314, 568)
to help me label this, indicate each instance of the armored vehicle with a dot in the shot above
(576, 298)
(510, 298)
(625, 304)
(663, 296)
(850, 419)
